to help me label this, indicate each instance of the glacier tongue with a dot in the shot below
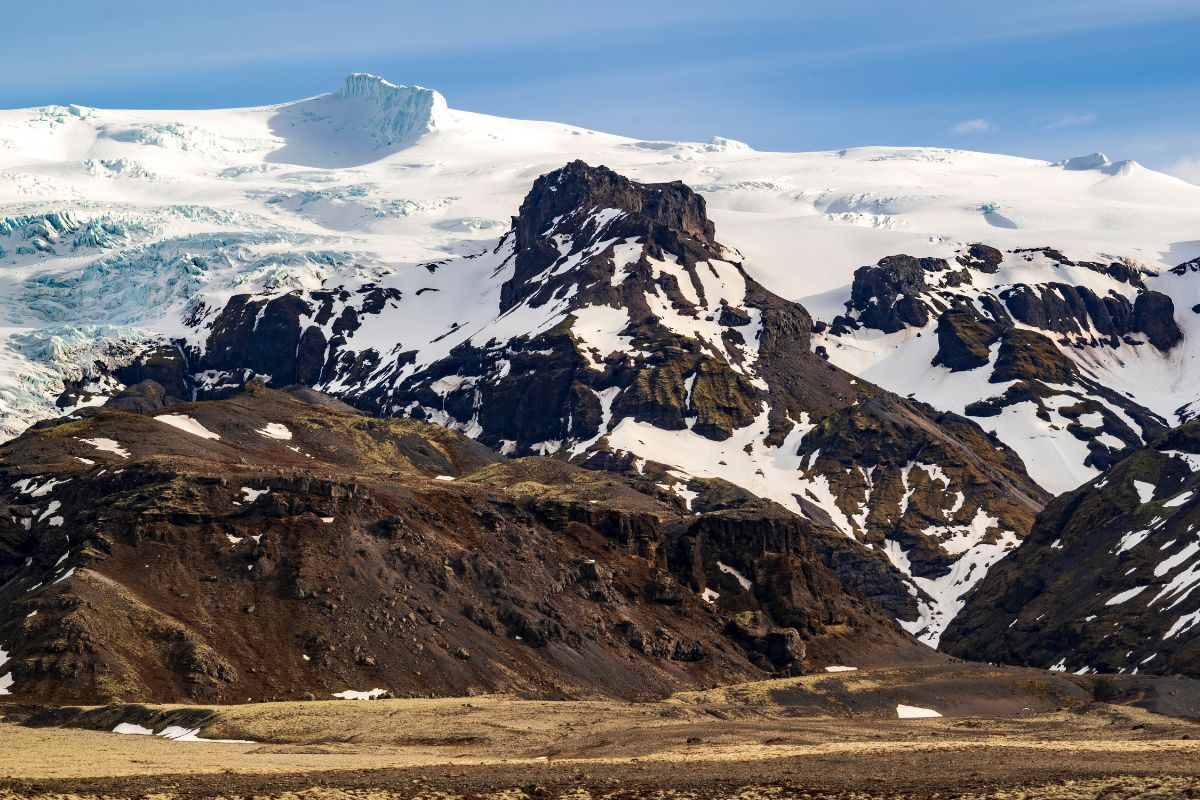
(35, 366)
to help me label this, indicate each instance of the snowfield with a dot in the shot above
(115, 221)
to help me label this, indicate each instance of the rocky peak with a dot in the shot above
(580, 187)
(1040, 340)
(626, 335)
(982, 257)
(582, 208)
(1186, 267)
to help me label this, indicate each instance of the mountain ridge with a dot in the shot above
(283, 546)
(1105, 581)
(1012, 317)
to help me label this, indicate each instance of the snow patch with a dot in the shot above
(915, 712)
(187, 424)
(351, 694)
(739, 577)
(275, 430)
(107, 446)
(252, 494)
(1125, 596)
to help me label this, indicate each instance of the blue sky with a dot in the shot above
(1045, 79)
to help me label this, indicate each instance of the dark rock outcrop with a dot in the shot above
(1026, 355)
(1154, 315)
(982, 257)
(888, 296)
(964, 340)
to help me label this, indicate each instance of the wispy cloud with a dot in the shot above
(973, 126)
(1187, 168)
(1070, 120)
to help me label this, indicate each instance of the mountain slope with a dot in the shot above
(1057, 357)
(273, 545)
(1106, 581)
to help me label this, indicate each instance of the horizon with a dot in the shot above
(1043, 83)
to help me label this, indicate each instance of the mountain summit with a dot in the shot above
(399, 114)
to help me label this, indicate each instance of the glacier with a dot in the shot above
(399, 114)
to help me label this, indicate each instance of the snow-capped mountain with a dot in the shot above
(365, 243)
(610, 326)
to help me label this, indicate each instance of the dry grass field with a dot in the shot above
(738, 742)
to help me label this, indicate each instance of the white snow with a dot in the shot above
(1130, 540)
(1182, 625)
(1145, 490)
(107, 446)
(351, 694)
(6, 680)
(178, 733)
(275, 430)
(185, 423)
(739, 577)
(1175, 502)
(250, 494)
(839, 668)
(679, 487)
(1124, 596)
(1171, 562)
(31, 487)
(175, 733)
(598, 330)
(949, 590)
(915, 712)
